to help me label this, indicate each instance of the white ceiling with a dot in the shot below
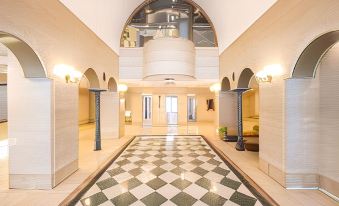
(108, 17)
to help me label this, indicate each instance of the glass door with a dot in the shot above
(147, 110)
(191, 109)
(172, 110)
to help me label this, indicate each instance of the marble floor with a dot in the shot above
(90, 160)
(169, 170)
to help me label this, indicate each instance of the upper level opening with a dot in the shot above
(168, 18)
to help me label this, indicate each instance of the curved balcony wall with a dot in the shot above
(169, 58)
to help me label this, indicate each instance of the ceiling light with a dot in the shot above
(215, 87)
(122, 88)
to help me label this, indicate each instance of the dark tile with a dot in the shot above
(115, 171)
(160, 155)
(132, 183)
(177, 162)
(124, 199)
(95, 199)
(200, 171)
(177, 170)
(230, 183)
(221, 171)
(104, 184)
(123, 162)
(183, 199)
(242, 199)
(197, 162)
(154, 199)
(204, 183)
(214, 162)
(158, 171)
(140, 162)
(213, 199)
(136, 171)
(156, 183)
(159, 162)
(181, 184)
(143, 156)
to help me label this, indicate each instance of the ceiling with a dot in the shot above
(107, 18)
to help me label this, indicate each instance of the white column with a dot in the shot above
(228, 111)
(110, 112)
(30, 129)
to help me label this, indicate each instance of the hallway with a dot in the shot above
(169, 170)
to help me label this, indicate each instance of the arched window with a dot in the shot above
(168, 18)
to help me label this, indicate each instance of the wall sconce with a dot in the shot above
(215, 87)
(68, 72)
(122, 88)
(266, 75)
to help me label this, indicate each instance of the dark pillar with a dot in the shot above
(97, 142)
(240, 143)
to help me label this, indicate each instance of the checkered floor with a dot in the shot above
(168, 170)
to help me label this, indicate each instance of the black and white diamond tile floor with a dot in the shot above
(168, 170)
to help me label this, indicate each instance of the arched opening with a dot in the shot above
(225, 84)
(245, 78)
(312, 113)
(179, 18)
(310, 57)
(23, 78)
(112, 85)
(86, 98)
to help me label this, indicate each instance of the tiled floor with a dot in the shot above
(169, 170)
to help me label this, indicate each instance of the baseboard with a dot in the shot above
(329, 185)
(302, 181)
(65, 171)
(31, 181)
(272, 171)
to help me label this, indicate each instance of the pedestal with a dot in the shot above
(97, 142)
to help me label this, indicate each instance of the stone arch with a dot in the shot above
(112, 85)
(28, 59)
(245, 78)
(309, 59)
(92, 77)
(225, 84)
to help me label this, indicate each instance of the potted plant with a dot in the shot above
(256, 129)
(222, 132)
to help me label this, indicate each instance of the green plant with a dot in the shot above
(222, 130)
(256, 128)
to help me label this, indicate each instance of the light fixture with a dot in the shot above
(67, 72)
(266, 75)
(148, 9)
(215, 87)
(169, 81)
(122, 88)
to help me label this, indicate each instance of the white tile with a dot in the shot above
(114, 191)
(243, 189)
(168, 203)
(141, 191)
(169, 177)
(168, 166)
(214, 177)
(107, 203)
(148, 167)
(168, 191)
(129, 167)
(208, 166)
(93, 190)
(230, 203)
(122, 177)
(188, 166)
(145, 177)
(195, 191)
(191, 176)
(221, 190)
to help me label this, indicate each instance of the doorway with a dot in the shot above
(172, 110)
(147, 110)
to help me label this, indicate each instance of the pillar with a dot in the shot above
(97, 142)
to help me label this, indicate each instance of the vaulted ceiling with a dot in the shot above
(107, 17)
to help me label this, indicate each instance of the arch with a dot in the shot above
(92, 77)
(112, 85)
(309, 59)
(245, 78)
(225, 84)
(191, 2)
(28, 59)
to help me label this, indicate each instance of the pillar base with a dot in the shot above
(240, 146)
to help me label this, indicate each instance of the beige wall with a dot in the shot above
(278, 37)
(134, 104)
(58, 37)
